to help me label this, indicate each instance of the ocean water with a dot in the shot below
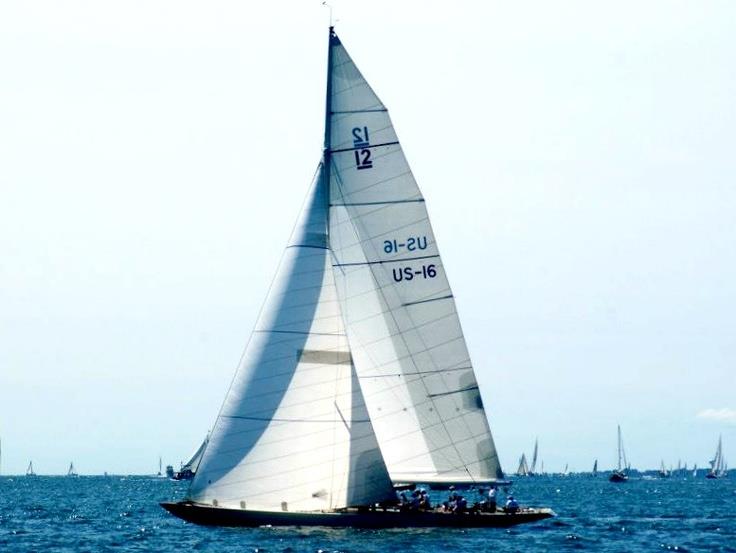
(122, 514)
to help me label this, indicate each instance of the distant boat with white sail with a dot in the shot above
(189, 469)
(620, 473)
(718, 468)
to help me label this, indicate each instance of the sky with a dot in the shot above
(577, 160)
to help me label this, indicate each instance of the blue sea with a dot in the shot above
(121, 513)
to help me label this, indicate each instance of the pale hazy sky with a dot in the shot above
(578, 164)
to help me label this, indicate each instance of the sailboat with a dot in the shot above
(717, 464)
(356, 378)
(188, 469)
(71, 472)
(595, 467)
(533, 467)
(29, 470)
(663, 473)
(695, 470)
(619, 475)
(523, 469)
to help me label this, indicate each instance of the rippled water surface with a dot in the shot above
(122, 514)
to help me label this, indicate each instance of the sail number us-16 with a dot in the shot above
(411, 244)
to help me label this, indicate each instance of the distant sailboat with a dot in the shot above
(189, 469)
(29, 470)
(717, 464)
(533, 467)
(619, 475)
(595, 467)
(357, 376)
(695, 470)
(523, 469)
(71, 472)
(663, 473)
(160, 467)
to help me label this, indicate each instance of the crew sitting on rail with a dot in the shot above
(461, 505)
(512, 506)
(424, 503)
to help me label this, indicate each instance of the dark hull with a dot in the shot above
(218, 516)
(618, 477)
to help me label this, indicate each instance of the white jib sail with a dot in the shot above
(402, 324)
(196, 457)
(293, 433)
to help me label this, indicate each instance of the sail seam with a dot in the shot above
(449, 296)
(307, 246)
(385, 261)
(270, 419)
(298, 332)
(358, 204)
(341, 150)
(468, 389)
(417, 372)
(359, 111)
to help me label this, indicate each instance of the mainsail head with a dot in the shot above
(400, 315)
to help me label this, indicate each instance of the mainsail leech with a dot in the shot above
(399, 311)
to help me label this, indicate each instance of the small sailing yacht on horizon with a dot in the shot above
(620, 474)
(535, 455)
(357, 377)
(29, 470)
(72, 472)
(717, 464)
(189, 469)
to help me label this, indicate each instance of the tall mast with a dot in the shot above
(619, 447)
(326, 154)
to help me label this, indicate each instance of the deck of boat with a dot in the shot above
(352, 518)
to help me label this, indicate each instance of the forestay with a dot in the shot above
(402, 324)
(293, 433)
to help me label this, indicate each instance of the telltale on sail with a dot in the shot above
(356, 377)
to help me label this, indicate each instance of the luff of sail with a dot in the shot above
(293, 433)
(400, 315)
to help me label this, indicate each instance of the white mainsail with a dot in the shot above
(400, 316)
(293, 433)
